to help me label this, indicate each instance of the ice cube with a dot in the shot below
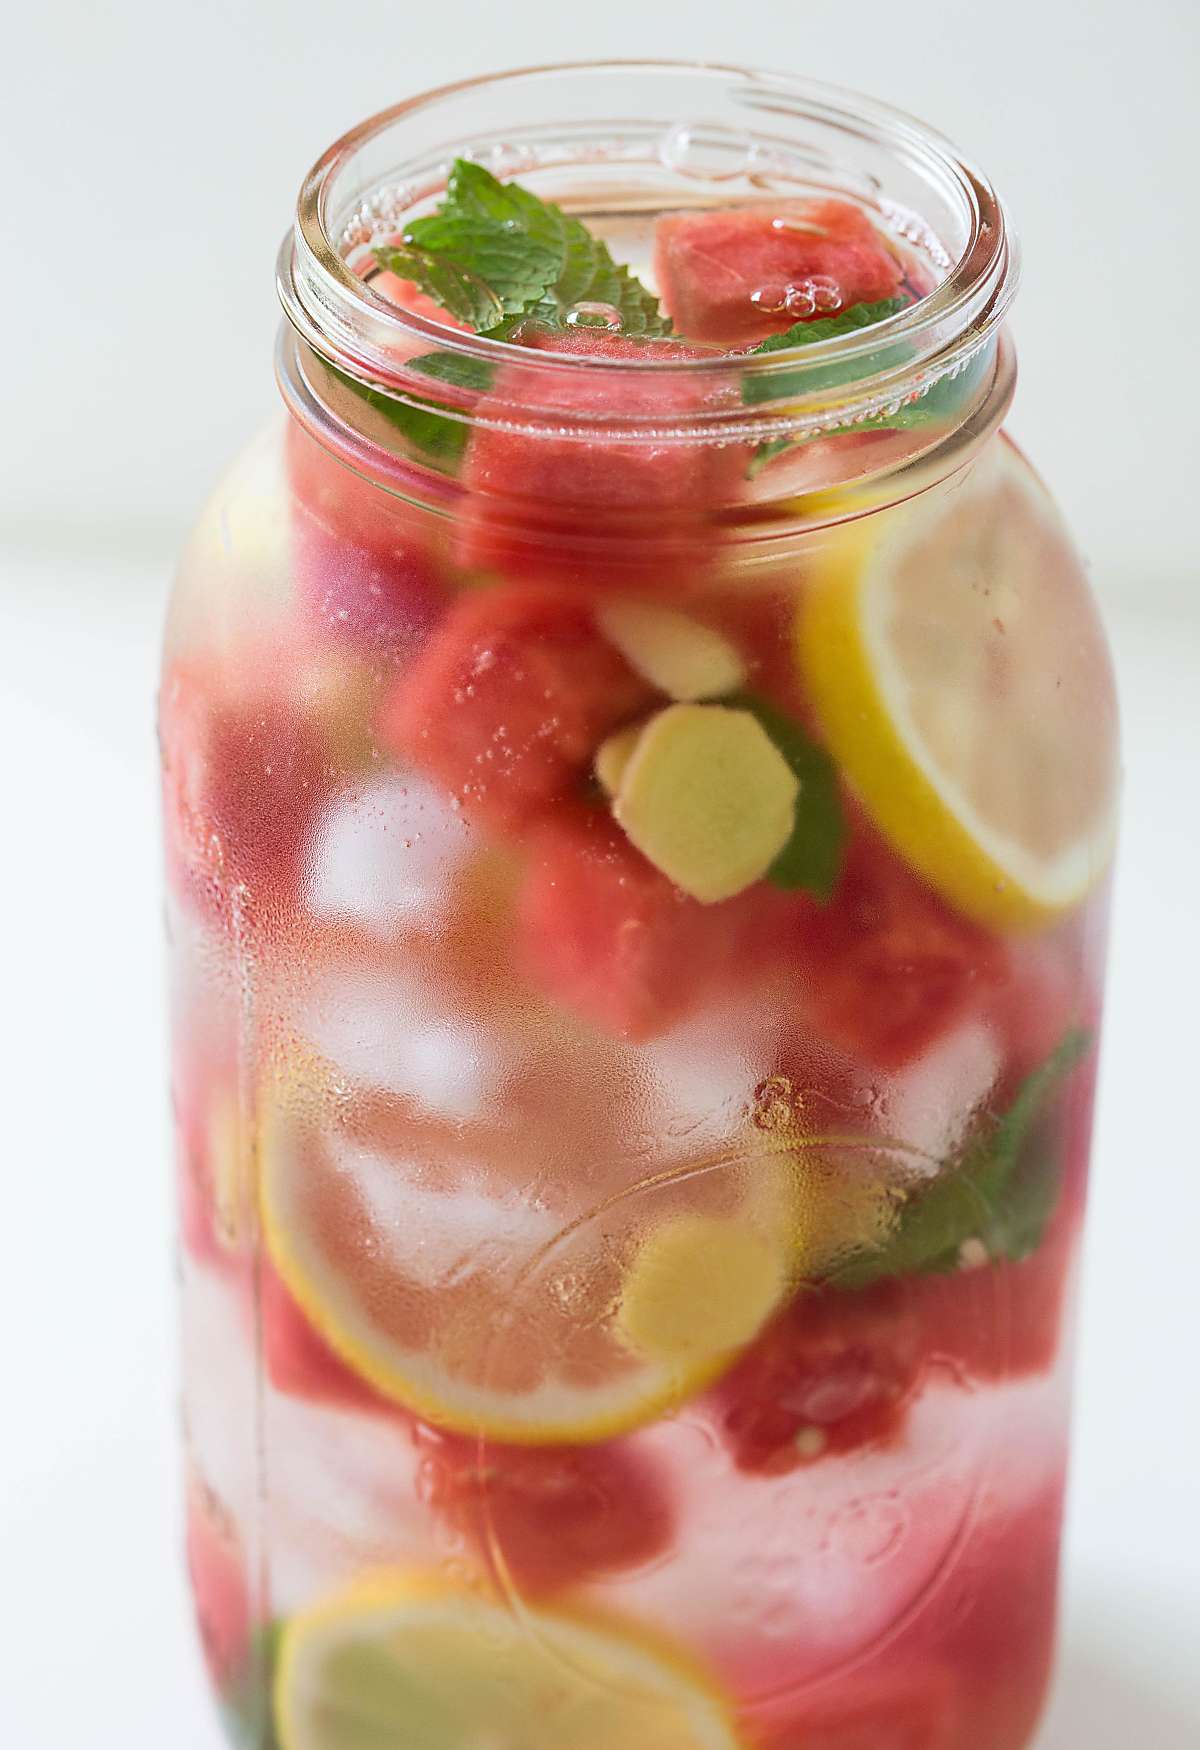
(398, 1032)
(385, 857)
(929, 1106)
(342, 1496)
(438, 1230)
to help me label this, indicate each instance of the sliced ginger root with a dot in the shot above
(614, 754)
(707, 797)
(680, 656)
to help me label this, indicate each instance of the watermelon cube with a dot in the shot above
(300, 1362)
(547, 1517)
(220, 1586)
(366, 568)
(886, 968)
(606, 934)
(735, 275)
(407, 295)
(602, 508)
(832, 1373)
(913, 1707)
(508, 702)
(243, 774)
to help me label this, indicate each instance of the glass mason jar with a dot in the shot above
(637, 821)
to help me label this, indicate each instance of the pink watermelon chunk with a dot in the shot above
(886, 968)
(243, 775)
(365, 563)
(596, 509)
(220, 1590)
(300, 1362)
(917, 1708)
(407, 295)
(508, 702)
(738, 274)
(608, 936)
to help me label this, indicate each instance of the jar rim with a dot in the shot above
(353, 328)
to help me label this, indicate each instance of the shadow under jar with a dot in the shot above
(640, 764)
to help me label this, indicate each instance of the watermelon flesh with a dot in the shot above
(607, 935)
(736, 275)
(886, 968)
(242, 778)
(602, 508)
(508, 701)
(366, 569)
(407, 295)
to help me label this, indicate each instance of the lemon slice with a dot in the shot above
(528, 1316)
(406, 1662)
(960, 674)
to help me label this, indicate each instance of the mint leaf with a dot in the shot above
(424, 424)
(767, 452)
(941, 402)
(590, 276)
(458, 289)
(246, 1710)
(474, 193)
(858, 316)
(1002, 1191)
(812, 857)
(494, 254)
(457, 368)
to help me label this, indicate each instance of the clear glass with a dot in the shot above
(637, 908)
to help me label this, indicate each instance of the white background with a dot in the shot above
(151, 153)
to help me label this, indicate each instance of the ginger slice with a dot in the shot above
(614, 754)
(678, 655)
(707, 797)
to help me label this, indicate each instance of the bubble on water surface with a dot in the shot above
(591, 313)
(817, 295)
(771, 298)
(706, 150)
(504, 158)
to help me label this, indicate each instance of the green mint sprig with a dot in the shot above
(494, 255)
(940, 402)
(850, 321)
(1002, 1190)
(812, 857)
(425, 423)
(245, 1707)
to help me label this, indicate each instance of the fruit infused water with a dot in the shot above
(639, 770)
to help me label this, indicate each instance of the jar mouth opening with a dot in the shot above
(752, 136)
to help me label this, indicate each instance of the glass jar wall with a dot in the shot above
(638, 796)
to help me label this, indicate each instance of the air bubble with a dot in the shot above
(772, 299)
(706, 150)
(591, 314)
(827, 294)
(817, 295)
(508, 159)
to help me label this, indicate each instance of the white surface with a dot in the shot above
(97, 1652)
(152, 155)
